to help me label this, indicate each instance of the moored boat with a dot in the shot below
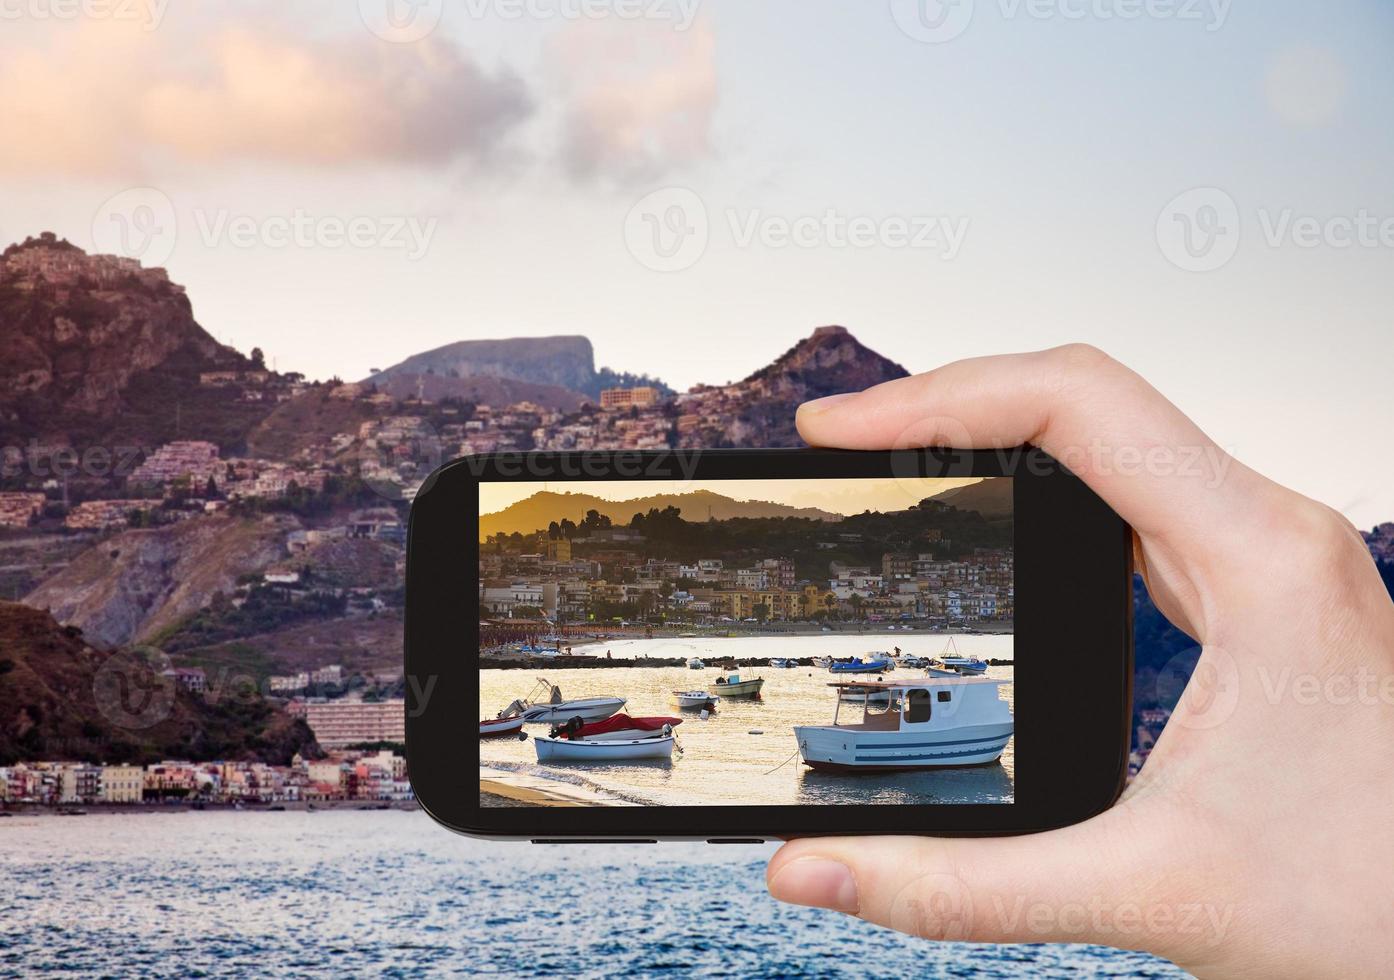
(546, 704)
(695, 664)
(879, 663)
(500, 727)
(952, 660)
(616, 728)
(696, 699)
(592, 750)
(731, 686)
(927, 723)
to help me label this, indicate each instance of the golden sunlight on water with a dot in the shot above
(745, 754)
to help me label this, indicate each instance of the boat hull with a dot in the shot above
(696, 699)
(587, 709)
(585, 750)
(840, 749)
(500, 727)
(745, 689)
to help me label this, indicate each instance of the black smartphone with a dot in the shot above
(746, 644)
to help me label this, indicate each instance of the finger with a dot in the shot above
(1140, 453)
(1091, 883)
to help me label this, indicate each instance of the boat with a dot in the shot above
(823, 662)
(591, 750)
(878, 665)
(696, 699)
(927, 723)
(695, 664)
(616, 728)
(500, 727)
(912, 662)
(952, 660)
(731, 686)
(546, 704)
(782, 663)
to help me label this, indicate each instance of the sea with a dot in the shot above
(745, 753)
(389, 893)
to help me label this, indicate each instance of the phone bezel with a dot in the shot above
(1073, 599)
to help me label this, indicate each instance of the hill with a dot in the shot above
(99, 350)
(538, 511)
(991, 498)
(130, 587)
(562, 362)
(759, 411)
(481, 389)
(61, 698)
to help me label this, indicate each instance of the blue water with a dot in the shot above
(389, 893)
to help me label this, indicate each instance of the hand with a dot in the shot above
(1258, 840)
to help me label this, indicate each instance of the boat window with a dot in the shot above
(945, 696)
(917, 706)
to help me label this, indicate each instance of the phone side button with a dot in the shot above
(590, 840)
(736, 840)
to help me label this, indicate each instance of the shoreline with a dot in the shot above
(533, 662)
(501, 787)
(290, 806)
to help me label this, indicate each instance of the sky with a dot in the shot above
(1200, 187)
(837, 496)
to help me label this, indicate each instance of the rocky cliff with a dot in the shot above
(759, 411)
(562, 362)
(91, 341)
(131, 587)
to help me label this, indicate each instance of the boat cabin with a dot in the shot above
(929, 702)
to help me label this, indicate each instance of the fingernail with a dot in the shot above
(816, 881)
(823, 404)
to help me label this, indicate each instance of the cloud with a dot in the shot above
(109, 97)
(638, 98)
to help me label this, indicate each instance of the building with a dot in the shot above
(643, 397)
(20, 509)
(191, 460)
(895, 567)
(337, 724)
(123, 784)
(189, 678)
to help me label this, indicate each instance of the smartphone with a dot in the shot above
(737, 645)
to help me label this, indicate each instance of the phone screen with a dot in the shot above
(746, 642)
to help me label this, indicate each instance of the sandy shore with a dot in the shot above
(508, 788)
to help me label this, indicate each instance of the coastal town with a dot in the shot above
(341, 777)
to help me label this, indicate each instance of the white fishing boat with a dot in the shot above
(696, 699)
(546, 704)
(823, 662)
(731, 686)
(782, 663)
(695, 664)
(928, 723)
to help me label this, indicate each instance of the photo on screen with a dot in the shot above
(746, 642)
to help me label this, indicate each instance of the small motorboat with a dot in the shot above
(913, 662)
(592, 750)
(952, 660)
(616, 728)
(781, 663)
(731, 686)
(823, 662)
(696, 699)
(879, 663)
(500, 727)
(546, 704)
(695, 664)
